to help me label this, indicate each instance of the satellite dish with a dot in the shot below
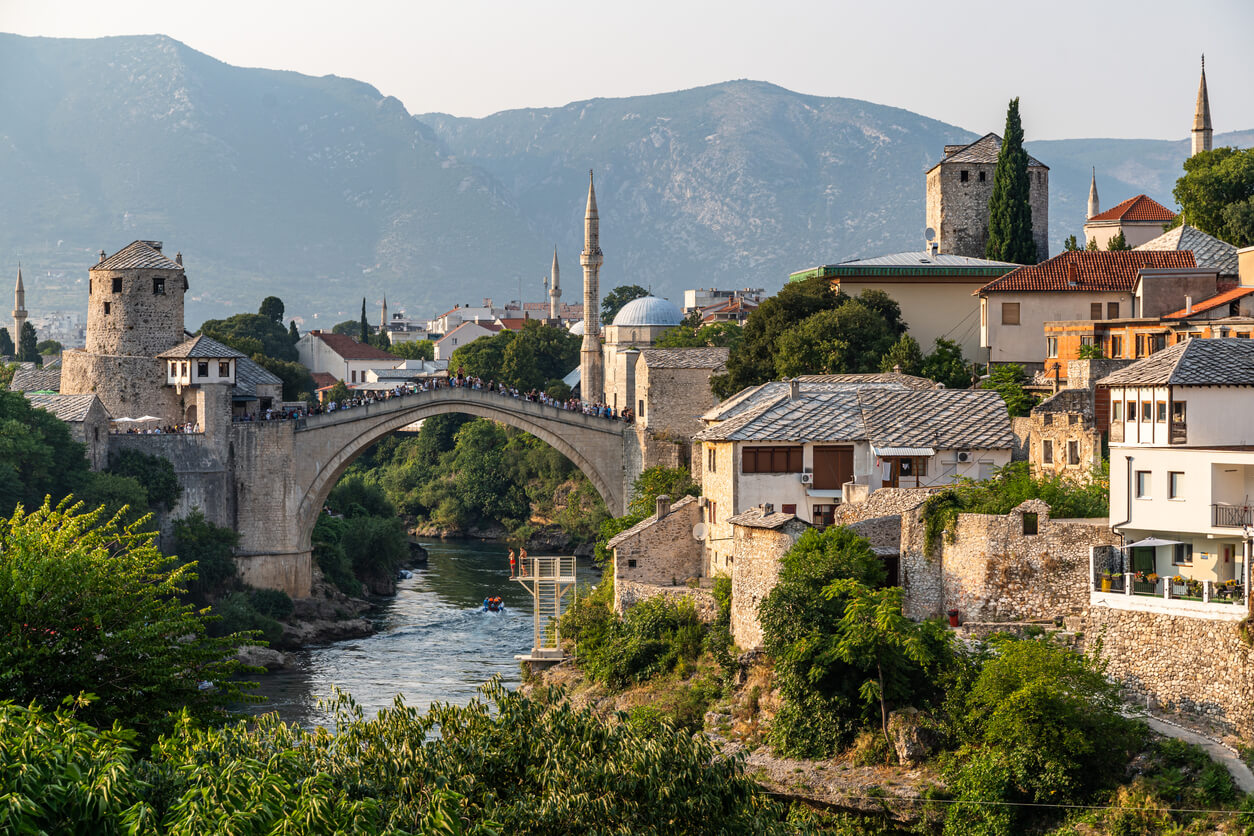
(699, 531)
(930, 234)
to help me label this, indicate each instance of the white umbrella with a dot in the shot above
(1150, 542)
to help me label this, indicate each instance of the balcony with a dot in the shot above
(1112, 587)
(1231, 516)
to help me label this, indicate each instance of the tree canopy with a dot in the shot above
(1216, 194)
(28, 346)
(7, 348)
(252, 333)
(1007, 380)
(714, 335)
(414, 350)
(616, 298)
(1010, 208)
(531, 358)
(272, 309)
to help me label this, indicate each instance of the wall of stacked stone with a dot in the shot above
(629, 593)
(755, 571)
(664, 552)
(718, 486)
(675, 398)
(1193, 665)
(128, 386)
(1021, 428)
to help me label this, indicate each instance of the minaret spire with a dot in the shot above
(591, 363)
(1202, 131)
(383, 317)
(19, 307)
(1095, 206)
(555, 290)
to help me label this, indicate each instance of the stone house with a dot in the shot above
(1061, 435)
(86, 417)
(661, 555)
(761, 537)
(342, 356)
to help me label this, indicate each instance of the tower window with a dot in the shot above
(224, 368)
(962, 175)
(117, 285)
(202, 368)
(158, 286)
(982, 176)
(107, 306)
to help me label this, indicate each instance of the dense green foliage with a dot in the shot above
(1011, 486)
(945, 364)
(155, 474)
(211, 549)
(272, 309)
(1216, 194)
(252, 334)
(1010, 208)
(613, 301)
(363, 539)
(28, 346)
(49, 347)
(298, 382)
(414, 350)
(714, 335)
(1118, 242)
(1007, 380)
(532, 358)
(7, 348)
(89, 606)
(850, 338)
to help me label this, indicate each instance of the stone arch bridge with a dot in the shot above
(283, 470)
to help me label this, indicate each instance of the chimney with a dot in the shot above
(768, 508)
(794, 389)
(1188, 306)
(178, 259)
(934, 248)
(663, 506)
(102, 255)
(896, 368)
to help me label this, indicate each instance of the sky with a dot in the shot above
(1083, 68)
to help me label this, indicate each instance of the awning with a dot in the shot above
(1150, 542)
(897, 452)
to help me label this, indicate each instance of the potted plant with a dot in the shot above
(1107, 579)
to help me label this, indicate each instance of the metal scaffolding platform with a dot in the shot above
(548, 579)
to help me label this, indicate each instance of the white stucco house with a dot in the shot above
(341, 356)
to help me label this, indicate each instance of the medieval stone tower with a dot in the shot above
(959, 188)
(555, 290)
(19, 308)
(134, 313)
(1202, 132)
(591, 371)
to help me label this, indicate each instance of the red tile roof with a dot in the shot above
(513, 323)
(324, 380)
(1215, 301)
(1139, 208)
(1082, 270)
(349, 349)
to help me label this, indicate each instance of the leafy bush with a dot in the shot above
(210, 548)
(237, 614)
(154, 473)
(331, 556)
(273, 603)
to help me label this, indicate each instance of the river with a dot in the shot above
(433, 643)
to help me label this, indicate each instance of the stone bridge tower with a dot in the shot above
(591, 370)
(134, 313)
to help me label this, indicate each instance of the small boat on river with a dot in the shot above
(493, 605)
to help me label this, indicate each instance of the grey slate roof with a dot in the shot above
(249, 375)
(1196, 362)
(200, 347)
(756, 517)
(909, 381)
(36, 379)
(749, 397)
(138, 255)
(1209, 252)
(69, 408)
(646, 523)
(983, 150)
(685, 358)
(923, 260)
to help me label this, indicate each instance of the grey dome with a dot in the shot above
(577, 328)
(648, 310)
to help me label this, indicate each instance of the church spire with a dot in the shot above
(1095, 206)
(591, 363)
(1202, 131)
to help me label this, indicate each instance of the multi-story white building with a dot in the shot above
(341, 356)
(1182, 479)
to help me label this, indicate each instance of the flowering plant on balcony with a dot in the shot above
(1147, 577)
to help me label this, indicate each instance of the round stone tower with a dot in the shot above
(134, 313)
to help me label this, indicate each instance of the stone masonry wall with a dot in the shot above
(128, 386)
(661, 553)
(675, 399)
(628, 593)
(755, 572)
(958, 210)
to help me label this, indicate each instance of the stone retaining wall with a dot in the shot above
(629, 593)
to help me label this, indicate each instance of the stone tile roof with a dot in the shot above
(349, 349)
(983, 150)
(944, 419)
(1082, 270)
(1208, 251)
(753, 396)
(909, 381)
(924, 261)
(648, 522)
(1219, 299)
(1139, 208)
(138, 255)
(758, 518)
(1196, 362)
(36, 380)
(69, 408)
(685, 358)
(200, 347)
(249, 375)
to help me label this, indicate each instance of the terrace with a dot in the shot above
(1111, 585)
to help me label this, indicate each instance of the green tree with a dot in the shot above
(714, 335)
(352, 327)
(675, 482)
(49, 347)
(1216, 194)
(888, 309)
(364, 336)
(616, 298)
(1091, 246)
(555, 351)
(6, 374)
(211, 549)
(482, 357)
(1007, 380)
(339, 392)
(38, 457)
(7, 348)
(904, 355)
(414, 350)
(1071, 244)
(946, 365)
(1118, 242)
(1090, 351)
(252, 333)
(850, 338)
(1010, 209)
(297, 379)
(27, 346)
(292, 333)
(272, 309)
(91, 606)
(519, 367)
(154, 473)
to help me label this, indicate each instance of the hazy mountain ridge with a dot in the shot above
(323, 190)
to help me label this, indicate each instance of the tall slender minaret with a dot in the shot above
(1202, 131)
(19, 308)
(383, 316)
(555, 290)
(591, 369)
(1095, 206)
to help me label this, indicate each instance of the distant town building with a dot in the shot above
(464, 334)
(1140, 219)
(702, 298)
(341, 356)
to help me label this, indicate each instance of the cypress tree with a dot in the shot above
(26, 345)
(365, 326)
(1010, 210)
(7, 349)
(292, 332)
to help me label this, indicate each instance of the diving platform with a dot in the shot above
(548, 579)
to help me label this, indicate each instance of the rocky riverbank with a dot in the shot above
(543, 540)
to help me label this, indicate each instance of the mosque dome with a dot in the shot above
(649, 310)
(577, 328)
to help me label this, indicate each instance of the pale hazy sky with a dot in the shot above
(1083, 68)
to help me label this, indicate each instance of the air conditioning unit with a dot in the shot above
(964, 456)
(807, 478)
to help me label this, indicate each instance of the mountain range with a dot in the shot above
(324, 190)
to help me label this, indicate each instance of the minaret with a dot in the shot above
(555, 290)
(1202, 131)
(1095, 207)
(383, 316)
(19, 308)
(591, 370)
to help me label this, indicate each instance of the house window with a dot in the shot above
(1116, 410)
(1178, 411)
(713, 461)
(1140, 345)
(962, 175)
(788, 509)
(913, 467)
(1158, 342)
(1142, 484)
(1047, 420)
(158, 286)
(1160, 412)
(224, 368)
(771, 460)
(1051, 347)
(202, 368)
(1072, 419)
(1131, 410)
(1116, 347)
(107, 307)
(1073, 453)
(117, 285)
(640, 411)
(1182, 554)
(711, 512)
(1031, 523)
(183, 369)
(981, 176)
(1047, 452)
(631, 563)
(823, 515)
(1145, 411)
(1112, 310)
(1009, 313)
(1095, 310)
(1175, 485)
